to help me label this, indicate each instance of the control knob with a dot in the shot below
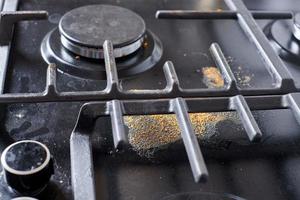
(27, 166)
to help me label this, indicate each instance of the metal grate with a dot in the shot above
(115, 102)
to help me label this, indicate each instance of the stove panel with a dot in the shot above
(269, 168)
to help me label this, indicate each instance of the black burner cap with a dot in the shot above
(93, 24)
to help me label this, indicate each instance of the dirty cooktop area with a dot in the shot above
(156, 167)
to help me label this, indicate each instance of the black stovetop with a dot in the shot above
(267, 170)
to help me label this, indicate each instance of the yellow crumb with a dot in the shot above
(212, 77)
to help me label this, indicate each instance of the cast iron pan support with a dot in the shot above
(81, 150)
(284, 83)
(246, 20)
(8, 18)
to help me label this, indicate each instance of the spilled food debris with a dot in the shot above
(148, 133)
(212, 77)
(243, 76)
(152, 131)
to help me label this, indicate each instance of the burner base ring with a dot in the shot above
(140, 61)
(281, 36)
(97, 53)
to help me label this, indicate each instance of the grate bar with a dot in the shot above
(16, 16)
(1, 4)
(51, 81)
(4, 54)
(219, 104)
(117, 121)
(10, 5)
(82, 170)
(194, 14)
(171, 78)
(179, 107)
(275, 66)
(239, 104)
(111, 68)
(113, 91)
(223, 65)
(81, 160)
(292, 101)
(9, 17)
(82, 167)
(100, 96)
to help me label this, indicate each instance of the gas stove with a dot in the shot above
(149, 99)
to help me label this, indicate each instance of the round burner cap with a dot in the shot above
(90, 26)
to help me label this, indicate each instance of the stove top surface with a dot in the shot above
(238, 169)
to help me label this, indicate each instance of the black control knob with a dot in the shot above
(27, 166)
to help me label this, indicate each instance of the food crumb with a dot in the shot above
(230, 59)
(212, 77)
(145, 44)
(244, 77)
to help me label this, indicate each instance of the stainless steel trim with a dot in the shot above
(98, 53)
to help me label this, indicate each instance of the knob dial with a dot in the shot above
(27, 166)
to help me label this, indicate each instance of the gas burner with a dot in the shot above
(285, 38)
(84, 30)
(76, 45)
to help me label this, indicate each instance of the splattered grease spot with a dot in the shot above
(149, 132)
